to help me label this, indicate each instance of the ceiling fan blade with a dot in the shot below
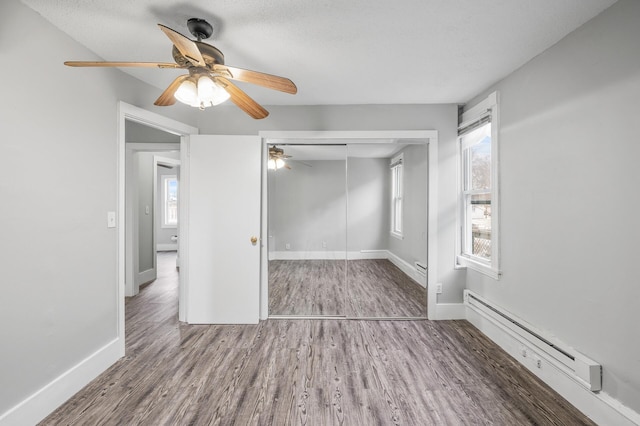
(242, 100)
(186, 46)
(121, 64)
(265, 80)
(167, 98)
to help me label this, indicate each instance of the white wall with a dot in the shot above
(569, 153)
(59, 280)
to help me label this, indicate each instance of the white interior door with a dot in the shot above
(224, 214)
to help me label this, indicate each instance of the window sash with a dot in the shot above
(482, 197)
(396, 198)
(169, 206)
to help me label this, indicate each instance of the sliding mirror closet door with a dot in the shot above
(387, 230)
(307, 230)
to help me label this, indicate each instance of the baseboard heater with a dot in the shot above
(535, 345)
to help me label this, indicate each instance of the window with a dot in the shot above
(478, 224)
(169, 201)
(396, 196)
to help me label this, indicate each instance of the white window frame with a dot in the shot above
(163, 222)
(397, 193)
(488, 106)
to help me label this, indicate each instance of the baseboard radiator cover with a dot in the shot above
(536, 347)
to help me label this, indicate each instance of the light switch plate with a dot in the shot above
(111, 219)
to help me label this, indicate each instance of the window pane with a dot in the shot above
(477, 145)
(171, 201)
(480, 217)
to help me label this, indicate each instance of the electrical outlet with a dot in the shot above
(324, 244)
(439, 288)
(287, 246)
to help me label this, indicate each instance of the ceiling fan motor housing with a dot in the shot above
(210, 54)
(200, 28)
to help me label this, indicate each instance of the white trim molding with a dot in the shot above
(450, 311)
(430, 138)
(45, 400)
(133, 113)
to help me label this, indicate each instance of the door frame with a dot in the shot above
(354, 137)
(139, 115)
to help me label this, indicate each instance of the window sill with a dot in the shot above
(397, 235)
(466, 262)
(169, 226)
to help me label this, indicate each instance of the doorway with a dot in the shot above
(350, 249)
(138, 116)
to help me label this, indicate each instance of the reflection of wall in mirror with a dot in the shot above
(413, 247)
(308, 209)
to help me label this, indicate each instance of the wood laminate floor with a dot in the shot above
(307, 372)
(355, 289)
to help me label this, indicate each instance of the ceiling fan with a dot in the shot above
(276, 158)
(208, 82)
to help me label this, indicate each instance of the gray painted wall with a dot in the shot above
(413, 246)
(368, 203)
(569, 175)
(308, 206)
(146, 251)
(59, 258)
(139, 133)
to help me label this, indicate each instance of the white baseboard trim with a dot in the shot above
(450, 311)
(328, 255)
(368, 254)
(598, 406)
(167, 247)
(146, 276)
(408, 269)
(44, 401)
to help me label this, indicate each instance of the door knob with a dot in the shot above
(254, 240)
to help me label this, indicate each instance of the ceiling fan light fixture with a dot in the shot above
(210, 93)
(201, 94)
(187, 93)
(275, 164)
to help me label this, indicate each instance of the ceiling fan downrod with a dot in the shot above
(200, 28)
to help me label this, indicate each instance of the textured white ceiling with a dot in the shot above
(336, 51)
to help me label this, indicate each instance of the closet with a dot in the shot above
(347, 229)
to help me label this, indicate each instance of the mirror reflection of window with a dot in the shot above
(396, 196)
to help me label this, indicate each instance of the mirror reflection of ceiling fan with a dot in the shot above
(277, 158)
(208, 82)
